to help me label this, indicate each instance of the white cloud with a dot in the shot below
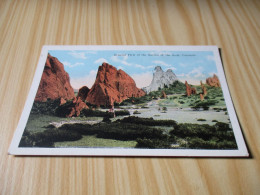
(173, 68)
(140, 66)
(196, 72)
(68, 64)
(183, 64)
(87, 80)
(79, 55)
(162, 63)
(180, 75)
(210, 58)
(121, 61)
(148, 67)
(100, 61)
(143, 79)
(193, 77)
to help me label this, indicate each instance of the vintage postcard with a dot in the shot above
(129, 101)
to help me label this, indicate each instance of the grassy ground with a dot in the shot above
(93, 141)
(39, 122)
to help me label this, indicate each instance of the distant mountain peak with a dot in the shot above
(160, 79)
(158, 68)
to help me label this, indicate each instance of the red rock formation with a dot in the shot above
(62, 101)
(213, 81)
(111, 86)
(201, 97)
(55, 82)
(163, 95)
(193, 91)
(204, 90)
(83, 92)
(78, 105)
(190, 90)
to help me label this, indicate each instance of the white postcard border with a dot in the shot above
(15, 150)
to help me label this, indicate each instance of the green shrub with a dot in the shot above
(122, 112)
(47, 107)
(147, 121)
(203, 104)
(48, 137)
(218, 136)
(64, 109)
(152, 143)
(106, 119)
(96, 113)
(164, 108)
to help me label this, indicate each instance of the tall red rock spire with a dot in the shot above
(213, 81)
(55, 82)
(111, 86)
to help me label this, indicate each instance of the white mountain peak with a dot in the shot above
(160, 79)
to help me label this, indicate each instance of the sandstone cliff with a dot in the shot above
(55, 82)
(213, 81)
(190, 90)
(111, 86)
(83, 93)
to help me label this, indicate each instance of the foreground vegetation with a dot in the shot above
(135, 132)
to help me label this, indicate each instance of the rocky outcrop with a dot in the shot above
(201, 97)
(204, 90)
(160, 79)
(213, 81)
(190, 90)
(111, 86)
(163, 95)
(55, 82)
(62, 101)
(83, 93)
(70, 108)
(78, 105)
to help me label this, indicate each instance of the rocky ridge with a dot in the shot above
(160, 79)
(213, 81)
(111, 86)
(55, 82)
(190, 90)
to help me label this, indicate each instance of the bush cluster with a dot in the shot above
(206, 136)
(47, 107)
(47, 138)
(148, 121)
(99, 113)
(152, 143)
(203, 104)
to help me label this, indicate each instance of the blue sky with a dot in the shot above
(82, 65)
